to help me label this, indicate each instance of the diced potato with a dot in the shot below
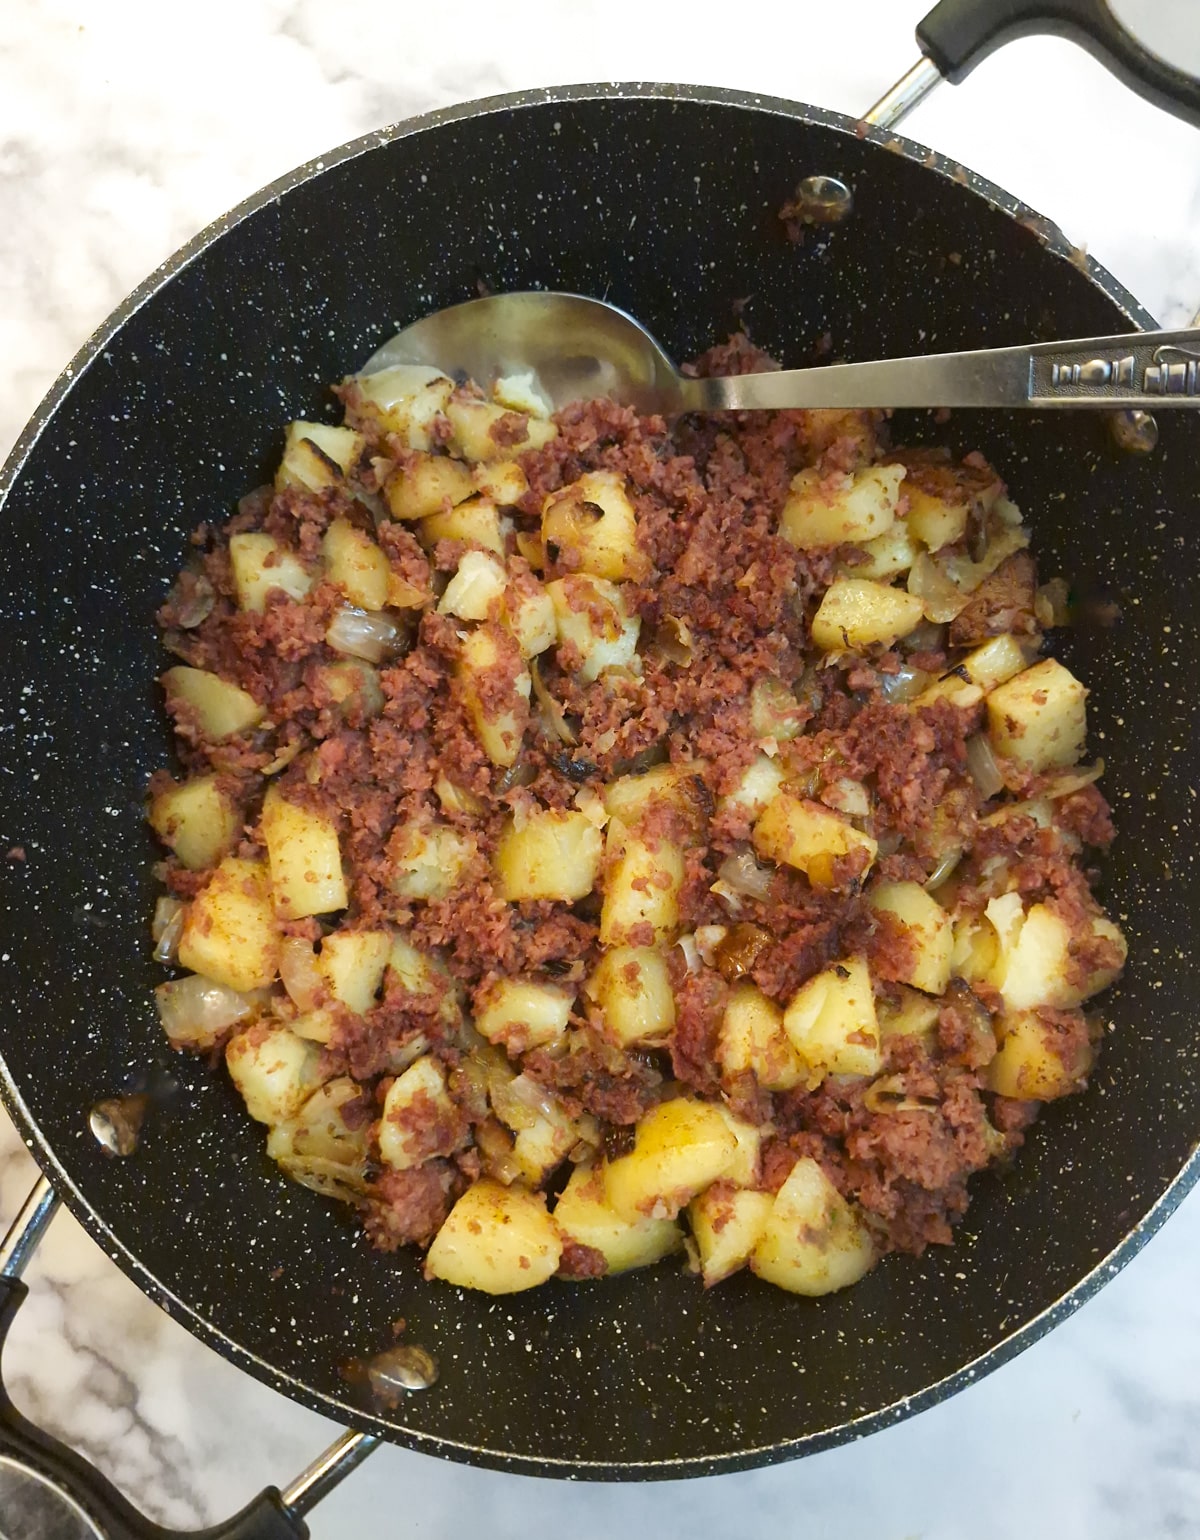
(976, 949)
(406, 399)
(752, 1039)
(809, 837)
(631, 986)
(475, 522)
(305, 858)
(419, 1117)
(275, 1071)
(934, 521)
(551, 855)
(473, 422)
(219, 708)
(592, 527)
(915, 1015)
(318, 1149)
(196, 820)
(997, 661)
(1038, 717)
(641, 887)
(927, 930)
(496, 687)
(727, 1223)
(421, 974)
(529, 615)
(352, 963)
(318, 455)
(680, 787)
(427, 484)
(774, 711)
(813, 1241)
(857, 613)
(746, 1166)
(825, 508)
(522, 393)
(230, 931)
(478, 583)
(498, 1239)
(429, 859)
(260, 565)
(761, 779)
(583, 1216)
(680, 1148)
(1036, 962)
(1030, 1065)
(356, 565)
(502, 480)
(832, 1024)
(354, 686)
(887, 555)
(519, 1014)
(593, 618)
(540, 1149)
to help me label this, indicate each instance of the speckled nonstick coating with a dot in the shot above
(664, 200)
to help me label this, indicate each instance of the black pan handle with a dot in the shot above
(265, 1518)
(957, 34)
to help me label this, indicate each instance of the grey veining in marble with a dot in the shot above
(124, 127)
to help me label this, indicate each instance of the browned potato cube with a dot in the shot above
(230, 932)
(427, 484)
(196, 820)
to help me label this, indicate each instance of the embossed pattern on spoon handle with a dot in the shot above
(1135, 369)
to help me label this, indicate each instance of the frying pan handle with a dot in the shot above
(265, 1518)
(958, 34)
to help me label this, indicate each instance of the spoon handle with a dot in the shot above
(1147, 369)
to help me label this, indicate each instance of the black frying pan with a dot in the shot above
(173, 410)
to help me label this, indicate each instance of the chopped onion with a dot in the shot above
(708, 938)
(191, 600)
(300, 975)
(940, 598)
(522, 1101)
(943, 869)
(1051, 604)
(364, 634)
(983, 768)
(495, 1145)
(195, 1012)
(1074, 780)
(691, 952)
(552, 712)
(904, 685)
(741, 872)
(404, 1054)
(728, 897)
(847, 796)
(166, 927)
(889, 1095)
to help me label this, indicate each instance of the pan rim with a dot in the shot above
(514, 1461)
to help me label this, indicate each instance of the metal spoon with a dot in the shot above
(579, 348)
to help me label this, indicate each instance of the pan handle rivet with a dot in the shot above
(818, 200)
(401, 1369)
(1133, 432)
(116, 1123)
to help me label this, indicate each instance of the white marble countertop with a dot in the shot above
(126, 125)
